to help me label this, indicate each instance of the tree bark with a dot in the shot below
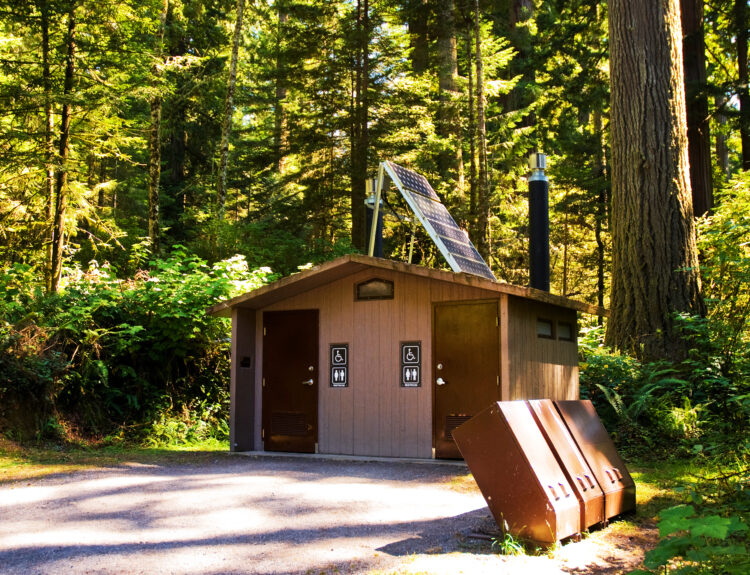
(280, 128)
(740, 21)
(49, 145)
(359, 136)
(654, 259)
(417, 13)
(472, 144)
(154, 142)
(699, 137)
(722, 149)
(483, 191)
(601, 212)
(226, 127)
(520, 11)
(61, 179)
(449, 124)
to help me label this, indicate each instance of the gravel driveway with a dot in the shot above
(236, 515)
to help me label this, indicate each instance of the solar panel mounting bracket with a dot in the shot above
(417, 189)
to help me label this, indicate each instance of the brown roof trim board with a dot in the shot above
(350, 264)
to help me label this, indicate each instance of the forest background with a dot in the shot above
(144, 144)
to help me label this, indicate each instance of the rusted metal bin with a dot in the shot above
(572, 462)
(522, 482)
(600, 454)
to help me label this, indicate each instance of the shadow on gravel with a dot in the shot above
(435, 536)
(247, 512)
(439, 536)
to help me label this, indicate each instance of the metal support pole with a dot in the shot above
(411, 242)
(376, 209)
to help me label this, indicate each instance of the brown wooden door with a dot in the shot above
(465, 370)
(290, 380)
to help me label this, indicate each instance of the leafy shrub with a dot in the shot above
(113, 353)
(709, 533)
(188, 427)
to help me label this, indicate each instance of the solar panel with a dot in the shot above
(451, 240)
(414, 181)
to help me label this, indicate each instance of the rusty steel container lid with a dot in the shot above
(571, 461)
(600, 453)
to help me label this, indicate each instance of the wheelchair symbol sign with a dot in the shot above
(410, 354)
(338, 355)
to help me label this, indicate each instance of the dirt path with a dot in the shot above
(272, 515)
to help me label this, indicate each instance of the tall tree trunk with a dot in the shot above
(100, 200)
(226, 126)
(601, 211)
(280, 128)
(417, 12)
(520, 11)
(654, 259)
(722, 149)
(699, 138)
(49, 145)
(449, 124)
(154, 142)
(359, 137)
(61, 179)
(740, 22)
(472, 144)
(483, 188)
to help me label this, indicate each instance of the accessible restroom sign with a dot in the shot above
(339, 365)
(411, 364)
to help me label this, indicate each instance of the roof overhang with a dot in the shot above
(347, 265)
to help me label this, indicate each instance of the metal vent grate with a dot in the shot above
(452, 422)
(288, 424)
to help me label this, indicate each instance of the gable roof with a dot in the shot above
(347, 265)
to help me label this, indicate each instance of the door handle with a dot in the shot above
(308, 382)
(440, 381)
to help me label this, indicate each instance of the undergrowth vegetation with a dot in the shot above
(119, 359)
(699, 408)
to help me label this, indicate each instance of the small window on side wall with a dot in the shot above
(374, 289)
(544, 329)
(565, 331)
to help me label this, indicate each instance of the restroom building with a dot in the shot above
(367, 356)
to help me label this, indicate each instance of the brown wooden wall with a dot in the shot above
(374, 415)
(540, 368)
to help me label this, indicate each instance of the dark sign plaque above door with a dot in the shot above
(411, 364)
(339, 365)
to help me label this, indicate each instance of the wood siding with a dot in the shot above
(540, 368)
(374, 415)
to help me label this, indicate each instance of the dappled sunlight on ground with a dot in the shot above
(284, 515)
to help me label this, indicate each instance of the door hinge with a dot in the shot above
(264, 382)
(498, 380)
(497, 321)
(264, 331)
(262, 433)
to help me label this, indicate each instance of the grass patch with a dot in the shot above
(463, 483)
(19, 462)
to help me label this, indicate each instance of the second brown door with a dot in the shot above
(290, 380)
(466, 367)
